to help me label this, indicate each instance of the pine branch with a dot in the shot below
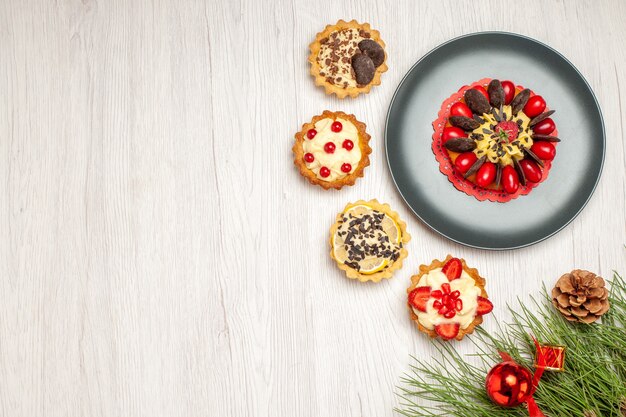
(594, 383)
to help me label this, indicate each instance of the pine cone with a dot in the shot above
(581, 296)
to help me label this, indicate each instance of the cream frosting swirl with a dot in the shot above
(469, 295)
(335, 160)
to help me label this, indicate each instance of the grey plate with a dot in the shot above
(528, 219)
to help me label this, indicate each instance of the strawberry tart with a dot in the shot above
(447, 299)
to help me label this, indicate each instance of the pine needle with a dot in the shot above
(593, 384)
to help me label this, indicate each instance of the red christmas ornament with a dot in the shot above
(550, 358)
(509, 384)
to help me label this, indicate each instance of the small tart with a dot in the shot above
(332, 150)
(431, 289)
(368, 241)
(332, 58)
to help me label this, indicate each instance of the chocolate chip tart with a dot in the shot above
(368, 241)
(348, 58)
(332, 150)
(447, 299)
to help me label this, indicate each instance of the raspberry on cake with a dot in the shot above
(448, 299)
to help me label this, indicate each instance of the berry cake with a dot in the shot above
(495, 141)
(368, 241)
(347, 58)
(447, 299)
(332, 150)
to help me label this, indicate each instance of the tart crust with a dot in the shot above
(350, 179)
(436, 263)
(397, 264)
(315, 68)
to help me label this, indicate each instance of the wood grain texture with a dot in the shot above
(159, 253)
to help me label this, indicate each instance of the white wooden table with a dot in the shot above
(159, 253)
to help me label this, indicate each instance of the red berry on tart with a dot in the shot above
(452, 133)
(509, 91)
(508, 130)
(460, 109)
(447, 299)
(332, 150)
(453, 269)
(419, 297)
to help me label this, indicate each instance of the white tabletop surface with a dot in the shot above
(161, 256)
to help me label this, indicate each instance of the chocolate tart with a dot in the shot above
(347, 58)
(368, 241)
